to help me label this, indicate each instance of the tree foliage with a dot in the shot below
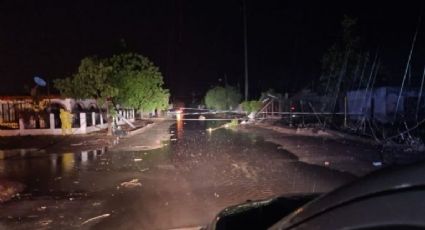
(140, 82)
(251, 106)
(92, 80)
(222, 98)
(343, 62)
(129, 80)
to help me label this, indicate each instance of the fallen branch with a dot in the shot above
(96, 218)
(408, 130)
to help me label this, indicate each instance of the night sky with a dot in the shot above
(198, 44)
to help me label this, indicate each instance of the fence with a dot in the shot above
(83, 123)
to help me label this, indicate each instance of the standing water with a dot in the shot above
(198, 172)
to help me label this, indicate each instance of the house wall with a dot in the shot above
(12, 107)
(378, 104)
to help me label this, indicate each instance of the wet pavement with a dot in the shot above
(184, 183)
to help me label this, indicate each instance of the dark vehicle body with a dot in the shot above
(392, 198)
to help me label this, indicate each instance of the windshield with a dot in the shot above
(160, 114)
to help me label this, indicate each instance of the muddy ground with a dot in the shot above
(144, 182)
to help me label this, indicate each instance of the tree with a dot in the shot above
(221, 98)
(343, 63)
(140, 82)
(92, 80)
(128, 80)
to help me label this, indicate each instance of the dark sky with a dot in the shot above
(196, 43)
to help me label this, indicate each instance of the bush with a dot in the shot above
(246, 106)
(222, 98)
(251, 106)
(234, 123)
(255, 105)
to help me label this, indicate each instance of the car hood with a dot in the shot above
(388, 179)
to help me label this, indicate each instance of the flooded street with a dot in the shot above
(185, 183)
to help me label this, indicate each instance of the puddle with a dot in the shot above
(41, 171)
(20, 153)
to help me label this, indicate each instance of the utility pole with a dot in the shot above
(245, 48)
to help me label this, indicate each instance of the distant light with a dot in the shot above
(209, 129)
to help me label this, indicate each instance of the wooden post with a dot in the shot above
(272, 107)
(345, 111)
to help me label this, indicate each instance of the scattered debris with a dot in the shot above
(77, 144)
(131, 184)
(96, 204)
(116, 141)
(141, 146)
(173, 139)
(202, 117)
(42, 208)
(9, 189)
(216, 195)
(96, 218)
(45, 222)
(377, 163)
(137, 159)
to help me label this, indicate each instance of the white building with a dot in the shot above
(21, 115)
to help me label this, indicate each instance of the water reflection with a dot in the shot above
(38, 170)
(84, 157)
(53, 162)
(16, 153)
(67, 162)
(179, 125)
